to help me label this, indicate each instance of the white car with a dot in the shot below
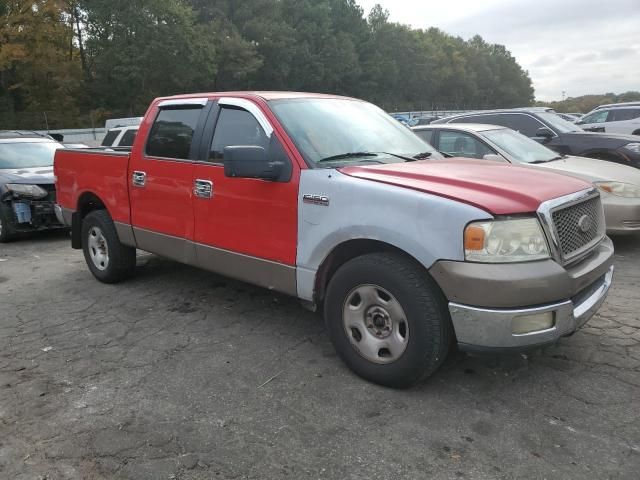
(613, 119)
(120, 137)
(619, 185)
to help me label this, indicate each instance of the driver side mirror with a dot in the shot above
(250, 162)
(544, 132)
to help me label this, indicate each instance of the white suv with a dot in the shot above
(612, 119)
(120, 137)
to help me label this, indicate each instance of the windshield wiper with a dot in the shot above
(342, 156)
(422, 156)
(559, 157)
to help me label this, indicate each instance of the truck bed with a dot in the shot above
(103, 173)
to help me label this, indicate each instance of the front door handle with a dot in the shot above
(203, 188)
(138, 179)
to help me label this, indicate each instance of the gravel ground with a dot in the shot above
(182, 374)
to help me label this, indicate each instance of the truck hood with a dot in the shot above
(594, 170)
(36, 175)
(498, 188)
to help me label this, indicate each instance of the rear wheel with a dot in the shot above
(6, 231)
(109, 260)
(387, 319)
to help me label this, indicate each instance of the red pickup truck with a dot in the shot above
(331, 200)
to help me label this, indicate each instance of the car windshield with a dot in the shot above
(331, 132)
(27, 154)
(521, 148)
(559, 123)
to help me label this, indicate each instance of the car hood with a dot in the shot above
(594, 170)
(499, 188)
(598, 139)
(36, 175)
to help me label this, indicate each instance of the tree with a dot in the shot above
(38, 68)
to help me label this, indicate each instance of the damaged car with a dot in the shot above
(27, 186)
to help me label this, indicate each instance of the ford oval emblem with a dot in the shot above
(584, 224)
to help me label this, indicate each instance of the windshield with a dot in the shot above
(27, 154)
(521, 148)
(559, 123)
(330, 132)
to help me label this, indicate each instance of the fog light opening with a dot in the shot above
(533, 323)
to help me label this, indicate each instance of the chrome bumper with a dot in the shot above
(482, 328)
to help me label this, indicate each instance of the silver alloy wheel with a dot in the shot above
(98, 249)
(375, 324)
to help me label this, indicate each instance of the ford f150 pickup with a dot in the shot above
(331, 200)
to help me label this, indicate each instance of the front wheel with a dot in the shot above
(109, 260)
(387, 319)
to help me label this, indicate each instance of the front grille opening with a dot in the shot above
(578, 226)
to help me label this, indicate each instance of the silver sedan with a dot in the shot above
(619, 185)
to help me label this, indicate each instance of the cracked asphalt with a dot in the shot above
(182, 374)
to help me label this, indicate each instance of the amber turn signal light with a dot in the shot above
(474, 238)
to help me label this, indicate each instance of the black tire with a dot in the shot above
(637, 132)
(7, 233)
(121, 259)
(423, 305)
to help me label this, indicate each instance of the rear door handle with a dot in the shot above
(203, 188)
(138, 179)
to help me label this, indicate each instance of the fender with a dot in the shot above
(426, 227)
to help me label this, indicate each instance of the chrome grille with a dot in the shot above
(579, 226)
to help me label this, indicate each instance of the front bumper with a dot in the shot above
(486, 299)
(32, 215)
(621, 214)
(481, 329)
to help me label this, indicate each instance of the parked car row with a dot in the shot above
(564, 137)
(619, 185)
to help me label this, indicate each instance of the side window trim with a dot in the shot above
(250, 107)
(480, 115)
(197, 134)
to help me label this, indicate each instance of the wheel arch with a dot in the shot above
(87, 203)
(348, 250)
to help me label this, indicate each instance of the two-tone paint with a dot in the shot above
(290, 235)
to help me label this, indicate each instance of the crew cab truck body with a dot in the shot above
(331, 200)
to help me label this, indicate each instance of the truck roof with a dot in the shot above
(265, 95)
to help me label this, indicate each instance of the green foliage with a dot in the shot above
(96, 58)
(586, 103)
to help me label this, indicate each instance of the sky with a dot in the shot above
(573, 46)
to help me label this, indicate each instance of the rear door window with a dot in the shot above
(110, 137)
(623, 114)
(460, 144)
(426, 135)
(128, 138)
(522, 123)
(172, 132)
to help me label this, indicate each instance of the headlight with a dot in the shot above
(619, 189)
(502, 241)
(27, 191)
(634, 147)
